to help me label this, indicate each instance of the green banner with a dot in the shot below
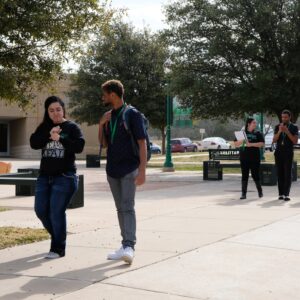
(181, 116)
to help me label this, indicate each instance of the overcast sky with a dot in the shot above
(143, 12)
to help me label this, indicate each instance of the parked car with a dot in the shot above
(214, 143)
(269, 140)
(297, 146)
(183, 145)
(155, 149)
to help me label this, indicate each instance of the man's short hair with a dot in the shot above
(286, 112)
(113, 86)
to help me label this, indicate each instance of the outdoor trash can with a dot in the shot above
(78, 198)
(268, 174)
(92, 161)
(212, 170)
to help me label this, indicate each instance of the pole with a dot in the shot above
(168, 165)
(262, 127)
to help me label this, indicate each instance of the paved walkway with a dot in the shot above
(196, 240)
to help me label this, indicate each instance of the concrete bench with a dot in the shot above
(25, 186)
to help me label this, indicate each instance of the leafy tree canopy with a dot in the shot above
(136, 58)
(36, 36)
(237, 56)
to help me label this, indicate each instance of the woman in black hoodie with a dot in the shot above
(59, 140)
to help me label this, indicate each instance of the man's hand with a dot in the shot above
(284, 129)
(105, 118)
(141, 178)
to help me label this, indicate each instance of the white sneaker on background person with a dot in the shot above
(52, 255)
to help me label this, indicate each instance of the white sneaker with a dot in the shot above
(128, 255)
(117, 255)
(52, 255)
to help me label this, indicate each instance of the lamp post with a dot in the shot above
(168, 165)
(262, 128)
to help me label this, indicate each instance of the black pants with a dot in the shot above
(284, 164)
(253, 166)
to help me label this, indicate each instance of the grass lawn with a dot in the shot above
(3, 209)
(13, 236)
(193, 161)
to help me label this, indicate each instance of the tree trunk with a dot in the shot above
(163, 138)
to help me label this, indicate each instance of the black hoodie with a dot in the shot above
(58, 157)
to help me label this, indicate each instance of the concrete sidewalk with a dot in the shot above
(196, 240)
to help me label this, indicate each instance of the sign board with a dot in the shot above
(181, 116)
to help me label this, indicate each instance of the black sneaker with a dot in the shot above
(287, 198)
(243, 197)
(281, 198)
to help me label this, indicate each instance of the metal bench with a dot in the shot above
(25, 183)
(224, 154)
(213, 169)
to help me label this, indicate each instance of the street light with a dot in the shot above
(262, 128)
(168, 165)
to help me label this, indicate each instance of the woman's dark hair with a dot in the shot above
(48, 102)
(248, 121)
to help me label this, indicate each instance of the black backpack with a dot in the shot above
(125, 117)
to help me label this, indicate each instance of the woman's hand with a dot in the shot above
(238, 143)
(54, 133)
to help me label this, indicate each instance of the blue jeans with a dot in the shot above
(52, 196)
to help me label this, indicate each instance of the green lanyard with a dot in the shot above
(113, 127)
(243, 146)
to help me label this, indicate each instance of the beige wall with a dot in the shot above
(23, 123)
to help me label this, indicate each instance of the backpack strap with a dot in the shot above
(125, 117)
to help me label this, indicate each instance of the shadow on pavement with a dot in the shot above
(61, 283)
(272, 203)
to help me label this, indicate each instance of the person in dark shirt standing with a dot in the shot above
(125, 168)
(285, 137)
(59, 140)
(250, 156)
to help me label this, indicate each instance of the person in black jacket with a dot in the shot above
(59, 139)
(250, 156)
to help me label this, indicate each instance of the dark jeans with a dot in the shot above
(123, 190)
(253, 166)
(284, 164)
(52, 196)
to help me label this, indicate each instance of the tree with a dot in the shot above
(134, 57)
(236, 56)
(36, 36)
